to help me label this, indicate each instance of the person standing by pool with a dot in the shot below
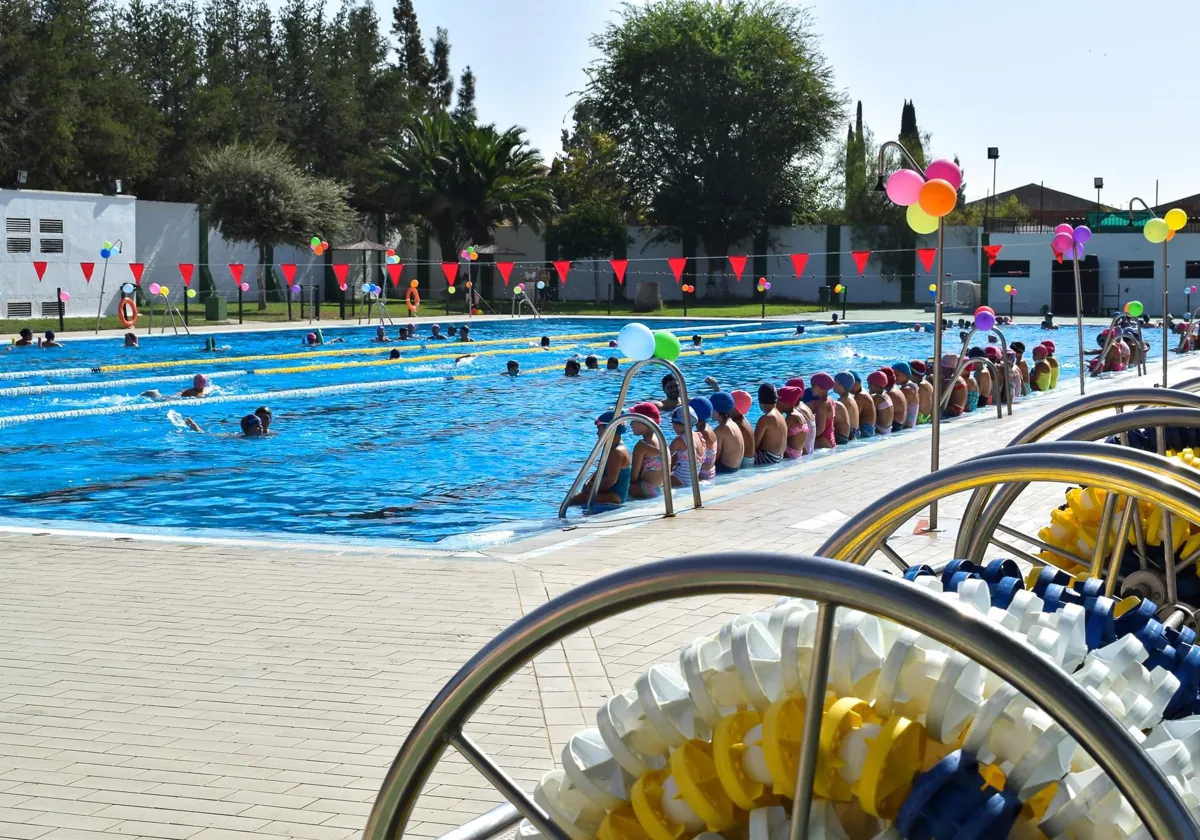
(1039, 377)
(614, 474)
(911, 395)
(924, 392)
(866, 408)
(703, 409)
(825, 431)
(730, 447)
(884, 410)
(770, 433)
(646, 473)
(843, 386)
(683, 421)
(742, 402)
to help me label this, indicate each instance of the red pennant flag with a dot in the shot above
(739, 265)
(505, 271)
(618, 267)
(451, 272)
(394, 270)
(562, 267)
(136, 270)
(340, 270)
(234, 268)
(926, 255)
(40, 268)
(289, 273)
(860, 260)
(1058, 255)
(799, 261)
(992, 252)
(677, 264)
(185, 271)
(87, 269)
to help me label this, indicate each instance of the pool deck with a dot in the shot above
(163, 690)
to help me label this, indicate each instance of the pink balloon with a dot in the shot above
(154, 288)
(904, 186)
(245, 287)
(1064, 228)
(947, 170)
(1062, 242)
(64, 296)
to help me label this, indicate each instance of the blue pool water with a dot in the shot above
(394, 451)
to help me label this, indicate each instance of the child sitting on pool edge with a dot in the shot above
(614, 474)
(647, 468)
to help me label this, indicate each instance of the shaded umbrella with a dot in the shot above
(363, 246)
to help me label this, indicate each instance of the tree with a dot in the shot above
(910, 135)
(465, 108)
(412, 61)
(441, 82)
(715, 108)
(256, 194)
(856, 159)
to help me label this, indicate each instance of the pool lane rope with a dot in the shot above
(27, 390)
(345, 387)
(383, 347)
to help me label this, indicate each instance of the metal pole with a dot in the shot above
(1079, 316)
(814, 711)
(845, 292)
(186, 322)
(61, 307)
(936, 420)
(610, 298)
(239, 305)
(1166, 332)
(287, 295)
(316, 297)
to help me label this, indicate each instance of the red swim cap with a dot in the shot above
(647, 409)
(791, 395)
(796, 382)
(889, 374)
(878, 379)
(917, 366)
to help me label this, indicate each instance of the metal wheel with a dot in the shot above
(834, 585)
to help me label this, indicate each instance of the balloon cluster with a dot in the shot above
(156, 289)
(1164, 229)
(764, 285)
(985, 318)
(109, 249)
(928, 197)
(318, 245)
(638, 342)
(519, 289)
(838, 289)
(1012, 290)
(469, 253)
(688, 288)
(1134, 309)
(1069, 241)
(391, 257)
(1190, 290)
(371, 289)
(932, 289)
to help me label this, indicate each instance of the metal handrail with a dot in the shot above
(1192, 327)
(962, 364)
(1004, 360)
(603, 443)
(1069, 413)
(834, 584)
(523, 300)
(1166, 299)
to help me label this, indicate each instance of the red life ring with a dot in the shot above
(413, 298)
(127, 312)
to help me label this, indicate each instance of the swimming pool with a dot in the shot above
(421, 450)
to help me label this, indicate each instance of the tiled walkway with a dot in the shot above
(158, 690)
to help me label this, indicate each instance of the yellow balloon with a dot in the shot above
(164, 291)
(933, 287)
(1175, 219)
(1008, 288)
(919, 220)
(1156, 231)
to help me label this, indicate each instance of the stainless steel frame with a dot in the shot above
(962, 365)
(1004, 354)
(604, 442)
(836, 585)
(1166, 297)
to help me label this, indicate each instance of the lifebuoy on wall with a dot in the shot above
(127, 312)
(413, 298)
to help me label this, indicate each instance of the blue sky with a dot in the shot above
(1067, 91)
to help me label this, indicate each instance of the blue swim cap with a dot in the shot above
(721, 402)
(854, 373)
(799, 329)
(845, 379)
(702, 406)
(607, 417)
(902, 367)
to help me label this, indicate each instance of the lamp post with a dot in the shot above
(934, 179)
(993, 155)
(1098, 183)
(1162, 230)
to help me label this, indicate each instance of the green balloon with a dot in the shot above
(315, 241)
(666, 346)
(107, 246)
(1136, 309)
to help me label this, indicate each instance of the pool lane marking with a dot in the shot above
(25, 390)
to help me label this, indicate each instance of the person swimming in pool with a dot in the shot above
(731, 448)
(395, 354)
(770, 433)
(251, 426)
(26, 338)
(646, 475)
(1039, 377)
(513, 368)
(1053, 362)
(742, 402)
(381, 335)
(131, 340)
(435, 333)
(843, 387)
(866, 408)
(545, 342)
(452, 332)
(198, 389)
(264, 415)
(833, 320)
(797, 420)
(683, 421)
(591, 362)
(910, 392)
(670, 387)
(1048, 322)
(877, 385)
(614, 475)
(49, 340)
(826, 414)
(571, 368)
(924, 391)
(464, 335)
(613, 363)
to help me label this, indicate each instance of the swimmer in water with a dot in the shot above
(571, 368)
(264, 415)
(670, 389)
(513, 368)
(26, 339)
(49, 341)
(591, 362)
(613, 363)
(545, 342)
(199, 384)
(252, 426)
(131, 340)
(435, 333)
(395, 354)
(452, 332)
(833, 319)
(698, 344)
(381, 335)
(770, 433)
(646, 474)
(614, 474)
(464, 335)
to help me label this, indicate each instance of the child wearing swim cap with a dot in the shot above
(866, 408)
(877, 385)
(843, 388)
(730, 447)
(703, 409)
(796, 415)
(825, 415)
(924, 391)
(770, 433)
(199, 383)
(1039, 377)
(614, 474)
(647, 466)
(908, 389)
(742, 403)
(683, 419)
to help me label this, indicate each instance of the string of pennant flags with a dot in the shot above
(451, 270)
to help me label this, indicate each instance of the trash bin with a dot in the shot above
(823, 297)
(216, 309)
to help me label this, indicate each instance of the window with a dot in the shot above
(50, 226)
(51, 308)
(17, 226)
(1135, 269)
(1191, 270)
(51, 246)
(1010, 268)
(20, 310)
(19, 245)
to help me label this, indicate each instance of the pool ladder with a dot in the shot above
(600, 451)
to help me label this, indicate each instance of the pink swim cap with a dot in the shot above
(199, 381)
(647, 409)
(312, 338)
(791, 395)
(796, 382)
(889, 374)
(992, 352)
(823, 381)
(1049, 345)
(878, 379)
(742, 401)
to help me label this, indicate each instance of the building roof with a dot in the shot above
(1037, 197)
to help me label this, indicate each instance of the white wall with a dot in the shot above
(88, 221)
(168, 234)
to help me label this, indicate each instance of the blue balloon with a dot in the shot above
(105, 253)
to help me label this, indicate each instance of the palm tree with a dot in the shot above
(461, 181)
